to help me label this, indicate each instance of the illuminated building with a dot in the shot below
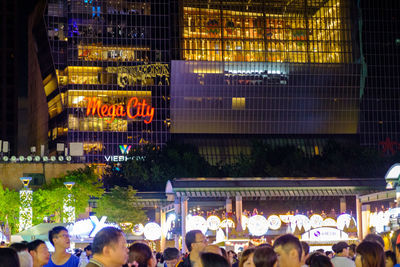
(104, 72)
(216, 74)
(287, 72)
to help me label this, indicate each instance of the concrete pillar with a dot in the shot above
(239, 209)
(164, 229)
(177, 208)
(342, 205)
(365, 212)
(158, 219)
(228, 205)
(359, 217)
(184, 211)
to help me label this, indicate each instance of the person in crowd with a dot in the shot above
(289, 251)
(39, 252)
(109, 248)
(390, 259)
(225, 255)
(306, 251)
(213, 249)
(370, 254)
(8, 258)
(375, 238)
(341, 259)
(171, 256)
(232, 258)
(25, 259)
(247, 258)
(140, 254)
(265, 257)
(2, 244)
(352, 252)
(318, 259)
(211, 260)
(85, 256)
(196, 241)
(329, 254)
(159, 259)
(59, 238)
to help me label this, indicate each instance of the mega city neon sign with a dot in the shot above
(143, 110)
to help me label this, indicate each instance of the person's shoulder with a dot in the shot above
(72, 262)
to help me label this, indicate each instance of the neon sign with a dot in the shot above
(143, 110)
(125, 149)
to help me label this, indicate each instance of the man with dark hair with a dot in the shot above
(59, 238)
(109, 248)
(39, 252)
(85, 256)
(304, 255)
(196, 241)
(352, 252)
(171, 256)
(289, 251)
(341, 259)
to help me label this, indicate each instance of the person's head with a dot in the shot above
(329, 254)
(18, 247)
(195, 241)
(390, 258)
(109, 244)
(265, 257)
(231, 254)
(306, 251)
(341, 249)
(375, 238)
(318, 260)
(141, 253)
(370, 254)
(39, 252)
(247, 258)
(171, 256)
(213, 260)
(289, 251)
(8, 257)
(59, 238)
(88, 250)
(352, 250)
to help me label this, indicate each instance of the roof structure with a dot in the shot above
(286, 187)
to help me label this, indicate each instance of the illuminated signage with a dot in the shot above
(125, 149)
(121, 158)
(143, 110)
(324, 234)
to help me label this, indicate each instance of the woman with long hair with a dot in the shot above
(141, 256)
(247, 258)
(8, 258)
(318, 259)
(213, 260)
(370, 254)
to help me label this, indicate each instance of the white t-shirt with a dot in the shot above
(342, 262)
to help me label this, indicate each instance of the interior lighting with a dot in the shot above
(152, 231)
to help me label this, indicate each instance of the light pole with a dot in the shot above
(25, 210)
(68, 209)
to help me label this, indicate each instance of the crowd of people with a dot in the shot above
(109, 249)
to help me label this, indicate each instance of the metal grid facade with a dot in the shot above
(111, 78)
(280, 67)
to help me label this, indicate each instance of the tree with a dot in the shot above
(9, 208)
(49, 200)
(120, 205)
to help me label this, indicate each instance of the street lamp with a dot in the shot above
(68, 209)
(25, 210)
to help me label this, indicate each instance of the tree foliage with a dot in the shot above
(48, 201)
(120, 205)
(9, 208)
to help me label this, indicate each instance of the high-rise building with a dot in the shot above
(119, 74)
(105, 72)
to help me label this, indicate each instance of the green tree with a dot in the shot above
(49, 200)
(9, 208)
(120, 205)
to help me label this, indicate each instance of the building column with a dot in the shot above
(164, 229)
(228, 205)
(157, 217)
(239, 209)
(342, 205)
(177, 208)
(184, 211)
(397, 196)
(365, 212)
(359, 217)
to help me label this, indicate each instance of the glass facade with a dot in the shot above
(266, 68)
(110, 79)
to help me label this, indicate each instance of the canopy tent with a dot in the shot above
(40, 231)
